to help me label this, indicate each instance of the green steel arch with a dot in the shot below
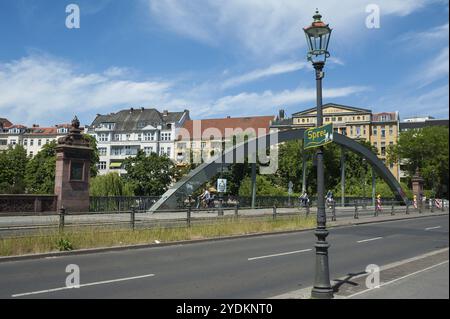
(203, 173)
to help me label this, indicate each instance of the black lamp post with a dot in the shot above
(318, 37)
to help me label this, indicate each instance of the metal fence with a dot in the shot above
(121, 203)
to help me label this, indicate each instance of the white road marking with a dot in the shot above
(371, 239)
(392, 281)
(431, 228)
(282, 254)
(82, 285)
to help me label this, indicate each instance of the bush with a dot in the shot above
(64, 245)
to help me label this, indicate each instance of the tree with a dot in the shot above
(426, 149)
(264, 187)
(95, 156)
(40, 171)
(110, 184)
(13, 164)
(149, 175)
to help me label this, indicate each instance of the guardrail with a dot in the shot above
(134, 218)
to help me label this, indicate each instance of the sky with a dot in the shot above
(218, 58)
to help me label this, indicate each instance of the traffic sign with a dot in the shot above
(222, 185)
(318, 136)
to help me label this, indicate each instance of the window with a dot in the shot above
(340, 119)
(13, 142)
(383, 132)
(101, 165)
(25, 142)
(303, 120)
(39, 142)
(109, 126)
(166, 136)
(149, 136)
(375, 144)
(375, 131)
(383, 149)
(31, 153)
(63, 130)
(203, 145)
(117, 137)
(148, 150)
(358, 130)
(333, 119)
(141, 124)
(47, 141)
(103, 137)
(169, 150)
(31, 142)
(102, 151)
(139, 137)
(182, 146)
(128, 136)
(358, 118)
(327, 119)
(391, 130)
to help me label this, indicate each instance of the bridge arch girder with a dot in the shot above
(203, 173)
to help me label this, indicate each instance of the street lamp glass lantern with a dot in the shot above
(318, 37)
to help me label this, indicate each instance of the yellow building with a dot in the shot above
(380, 129)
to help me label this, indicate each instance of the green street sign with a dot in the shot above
(318, 136)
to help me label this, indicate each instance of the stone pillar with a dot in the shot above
(417, 185)
(73, 159)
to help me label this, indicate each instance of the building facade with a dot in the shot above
(201, 140)
(122, 134)
(378, 129)
(31, 138)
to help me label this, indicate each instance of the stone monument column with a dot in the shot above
(417, 185)
(73, 160)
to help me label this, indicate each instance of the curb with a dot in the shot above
(188, 242)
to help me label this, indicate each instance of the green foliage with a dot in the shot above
(426, 149)
(264, 187)
(95, 156)
(110, 185)
(13, 163)
(40, 171)
(64, 245)
(150, 175)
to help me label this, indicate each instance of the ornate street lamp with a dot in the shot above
(318, 37)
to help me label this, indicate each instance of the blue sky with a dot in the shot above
(217, 58)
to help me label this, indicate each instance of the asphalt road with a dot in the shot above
(257, 267)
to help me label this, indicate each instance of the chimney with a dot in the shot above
(165, 112)
(131, 110)
(281, 114)
(35, 125)
(142, 109)
(228, 117)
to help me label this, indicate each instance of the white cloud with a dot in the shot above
(276, 69)
(45, 90)
(434, 70)
(35, 87)
(268, 101)
(268, 28)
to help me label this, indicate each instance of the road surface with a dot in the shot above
(257, 267)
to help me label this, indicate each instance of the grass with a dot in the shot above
(95, 237)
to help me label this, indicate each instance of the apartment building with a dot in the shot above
(31, 138)
(203, 139)
(379, 129)
(122, 134)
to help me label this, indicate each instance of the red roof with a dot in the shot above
(225, 126)
(4, 122)
(15, 126)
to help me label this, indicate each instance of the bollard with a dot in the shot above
(420, 207)
(356, 216)
(432, 206)
(392, 209)
(307, 210)
(333, 214)
(274, 212)
(133, 217)
(442, 205)
(407, 209)
(62, 213)
(236, 210)
(189, 211)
